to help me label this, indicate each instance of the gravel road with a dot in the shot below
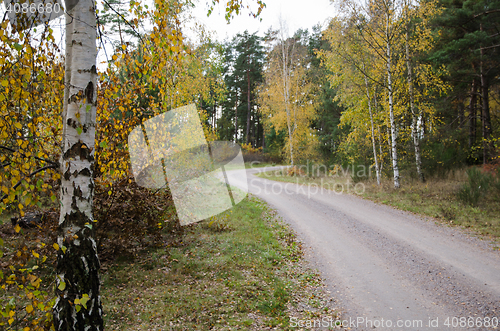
(388, 269)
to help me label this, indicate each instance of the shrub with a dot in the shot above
(131, 218)
(477, 186)
(496, 183)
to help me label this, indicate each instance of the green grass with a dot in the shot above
(240, 270)
(436, 198)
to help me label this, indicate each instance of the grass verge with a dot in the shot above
(240, 270)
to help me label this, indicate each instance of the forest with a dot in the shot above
(410, 89)
(407, 88)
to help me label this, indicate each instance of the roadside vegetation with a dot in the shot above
(242, 269)
(464, 197)
(384, 84)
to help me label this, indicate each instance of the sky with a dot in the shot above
(296, 13)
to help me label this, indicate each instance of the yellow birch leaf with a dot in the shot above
(29, 308)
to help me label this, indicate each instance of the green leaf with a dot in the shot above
(78, 308)
(53, 198)
(62, 286)
(103, 144)
(17, 46)
(89, 226)
(64, 248)
(85, 298)
(87, 108)
(79, 130)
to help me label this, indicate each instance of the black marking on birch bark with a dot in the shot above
(85, 172)
(81, 277)
(71, 123)
(76, 97)
(92, 70)
(77, 192)
(79, 149)
(67, 174)
(89, 92)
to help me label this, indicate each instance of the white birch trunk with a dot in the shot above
(394, 145)
(286, 88)
(377, 169)
(77, 260)
(415, 122)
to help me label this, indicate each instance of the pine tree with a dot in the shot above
(244, 63)
(469, 47)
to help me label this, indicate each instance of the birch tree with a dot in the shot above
(78, 304)
(388, 11)
(285, 95)
(286, 54)
(354, 71)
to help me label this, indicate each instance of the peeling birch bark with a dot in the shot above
(77, 260)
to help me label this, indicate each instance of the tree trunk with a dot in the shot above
(415, 123)
(248, 106)
(485, 114)
(377, 168)
(461, 113)
(472, 115)
(486, 119)
(214, 116)
(77, 272)
(236, 123)
(286, 92)
(394, 145)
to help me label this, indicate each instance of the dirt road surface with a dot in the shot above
(388, 269)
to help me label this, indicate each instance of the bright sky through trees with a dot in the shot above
(297, 14)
